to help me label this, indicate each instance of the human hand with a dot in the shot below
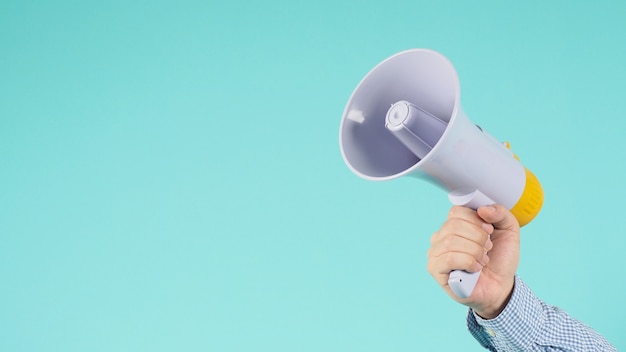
(463, 243)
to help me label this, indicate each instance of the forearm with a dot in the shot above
(528, 324)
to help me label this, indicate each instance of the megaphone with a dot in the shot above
(405, 119)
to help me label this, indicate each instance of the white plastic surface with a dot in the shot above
(462, 283)
(474, 199)
(461, 161)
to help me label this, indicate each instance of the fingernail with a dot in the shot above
(487, 227)
(479, 267)
(488, 245)
(490, 208)
(485, 259)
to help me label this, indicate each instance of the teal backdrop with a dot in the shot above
(171, 180)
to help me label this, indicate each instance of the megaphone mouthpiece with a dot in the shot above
(416, 128)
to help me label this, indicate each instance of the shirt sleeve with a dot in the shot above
(528, 324)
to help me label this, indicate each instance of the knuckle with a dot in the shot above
(429, 267)
(434, 237)
(447, 242)
(454, 211)
(450, 261)
(450, 226)
(468, 262)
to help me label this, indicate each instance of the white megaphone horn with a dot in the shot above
(405, 118)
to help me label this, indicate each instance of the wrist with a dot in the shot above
(494, 309)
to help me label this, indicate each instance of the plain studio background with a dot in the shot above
(171, 177)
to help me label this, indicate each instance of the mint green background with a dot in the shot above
(170, 174)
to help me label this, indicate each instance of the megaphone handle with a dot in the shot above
(461, 282)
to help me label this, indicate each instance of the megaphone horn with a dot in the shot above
(405, 119)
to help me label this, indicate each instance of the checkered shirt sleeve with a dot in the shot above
(528, 324)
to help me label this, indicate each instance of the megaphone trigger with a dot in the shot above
(474, 199)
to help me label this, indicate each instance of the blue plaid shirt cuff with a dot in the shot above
(528, 324)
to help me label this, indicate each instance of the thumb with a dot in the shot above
(499, 216)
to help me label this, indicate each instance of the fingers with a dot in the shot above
(471, 240)
(460, 244)
(463, 222)
(457, 253)
(499, 216)
(471, 260)
(470, 216)
(463, 241)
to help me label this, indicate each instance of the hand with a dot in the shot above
(463, 243)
